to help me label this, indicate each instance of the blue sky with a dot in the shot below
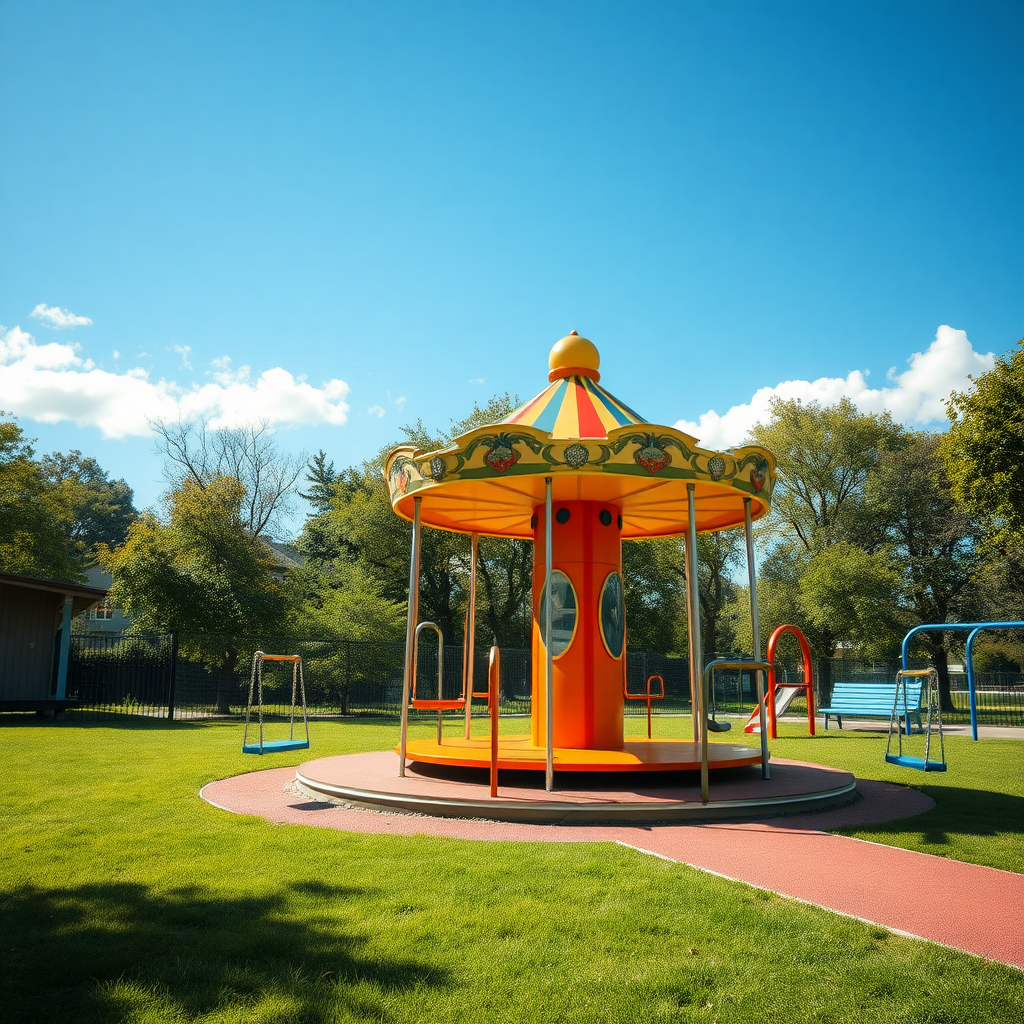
(386, 211)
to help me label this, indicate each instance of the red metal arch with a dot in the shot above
(807, 684)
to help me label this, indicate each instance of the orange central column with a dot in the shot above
(588, 625)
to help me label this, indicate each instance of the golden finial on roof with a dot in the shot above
(574, 356)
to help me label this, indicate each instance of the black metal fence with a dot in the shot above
(164, 676)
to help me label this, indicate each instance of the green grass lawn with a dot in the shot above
(124, 897)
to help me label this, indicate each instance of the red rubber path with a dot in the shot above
(976, 909)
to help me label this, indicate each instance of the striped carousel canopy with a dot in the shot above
(575, 406)
(491, 480)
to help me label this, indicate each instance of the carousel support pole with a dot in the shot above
(693, 618)
(474, 550)
(755, 626)
(696, 657)
(410, 630)
(549, 692)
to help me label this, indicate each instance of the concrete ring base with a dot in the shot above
(372, 781)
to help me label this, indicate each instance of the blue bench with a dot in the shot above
(873, 700)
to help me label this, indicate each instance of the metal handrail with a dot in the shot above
(493, 683)
(647, 696)
(709, 671)
(430, 704)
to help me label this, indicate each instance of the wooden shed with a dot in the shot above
(35, 640)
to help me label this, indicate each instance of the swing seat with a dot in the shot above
(919, 763)
(423, 704)
(275, 746)
(714, 726)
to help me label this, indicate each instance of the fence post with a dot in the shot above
(173, 680)
(348, 678)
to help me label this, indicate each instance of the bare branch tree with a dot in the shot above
(193, 451)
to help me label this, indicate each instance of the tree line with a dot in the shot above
(874, 528)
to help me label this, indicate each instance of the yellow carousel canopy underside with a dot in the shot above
(491, 479)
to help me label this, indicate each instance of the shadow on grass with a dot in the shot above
(972, 812)
(114, 720)
(122, 951)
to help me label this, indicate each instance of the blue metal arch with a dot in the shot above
(973, 629)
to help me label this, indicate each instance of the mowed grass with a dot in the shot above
(124, 897)
(979, 801)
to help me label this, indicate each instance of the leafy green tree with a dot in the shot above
(984, 448)
(653, 585)
(100, 509)
(934, 542)
(824, 455)
(718, 554)
(847, 595)
(35, 517)
(200, 573)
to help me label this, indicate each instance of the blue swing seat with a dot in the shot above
(916, 762)
(274, 746)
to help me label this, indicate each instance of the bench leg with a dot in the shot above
(839, 719)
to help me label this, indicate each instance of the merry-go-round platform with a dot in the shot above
(581, 796)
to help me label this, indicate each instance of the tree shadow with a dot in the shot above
(113, 951)
(973, 812)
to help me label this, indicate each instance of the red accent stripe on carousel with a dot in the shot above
(590, 423)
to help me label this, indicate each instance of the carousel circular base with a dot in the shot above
(586, 796)
(635, 756)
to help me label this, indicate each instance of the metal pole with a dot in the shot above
(173, 680)
(698, 699)
(696, 655)
(549, 695)
(474, 549)
(755, 625)
(410, 629)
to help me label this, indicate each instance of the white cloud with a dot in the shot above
(53, 383)
(376, 410)
(183, 351)
(117, 355)
(916, 397)
(54, 316)
(476, 380)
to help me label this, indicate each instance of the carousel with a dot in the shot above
(578, 472)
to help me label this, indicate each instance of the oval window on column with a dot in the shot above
(563, 612)
(612, 615)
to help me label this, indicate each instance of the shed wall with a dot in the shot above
(29, 620)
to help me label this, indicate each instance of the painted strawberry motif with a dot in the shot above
(759, 474)
(652, 456)
(716, 467)
(502, 453)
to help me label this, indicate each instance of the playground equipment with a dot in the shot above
(901, 705)
(780, 697)
(973, 629)
(648, 695)
(578, 472)
(256, 688)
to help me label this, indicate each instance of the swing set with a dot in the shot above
(265, 746)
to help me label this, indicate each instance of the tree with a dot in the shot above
(100, 509)
(824, 455)
(910, 510)
(984, 448)
(35, 518)
(201, 573)
(717, 553)
(321, 477)
(192, 451)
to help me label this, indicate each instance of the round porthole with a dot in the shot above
(605, 517)
(612, 615)
(563, 613)
(562, 515)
